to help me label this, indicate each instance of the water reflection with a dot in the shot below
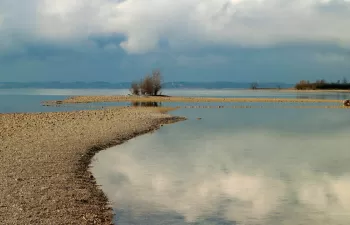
(30, 100)
(146, 104)
(233, 167)
(324, 95)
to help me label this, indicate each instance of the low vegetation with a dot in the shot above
(150, 85)
(323, 85)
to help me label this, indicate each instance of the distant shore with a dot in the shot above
(92, 99)
(44, 159)
(301, 91)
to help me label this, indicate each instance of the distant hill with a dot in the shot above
(126, 85)
(65, 85)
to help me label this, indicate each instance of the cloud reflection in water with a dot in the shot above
(251, 177)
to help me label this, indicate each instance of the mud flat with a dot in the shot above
(44, 159)
(92, 99)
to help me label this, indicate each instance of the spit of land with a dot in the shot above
(44, 160)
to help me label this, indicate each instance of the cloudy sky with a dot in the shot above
(189, 40)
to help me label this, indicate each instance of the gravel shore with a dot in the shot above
(44, 160)
(91, 99)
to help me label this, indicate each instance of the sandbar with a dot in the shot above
(118, 98)
(44, 160)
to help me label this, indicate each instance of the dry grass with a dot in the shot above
(44, 159)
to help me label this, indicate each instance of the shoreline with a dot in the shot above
(305, 91)
(47, 179)
(118, 98)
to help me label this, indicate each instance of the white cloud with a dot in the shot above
(145, 22)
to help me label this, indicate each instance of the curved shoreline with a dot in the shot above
(47, 181)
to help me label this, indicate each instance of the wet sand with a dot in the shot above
(44, 159)
(91, 99)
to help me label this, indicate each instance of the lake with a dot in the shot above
(29, 100)
(261, 166)
(235, 166)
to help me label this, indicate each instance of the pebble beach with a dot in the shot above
(92, 99)
(44, 160)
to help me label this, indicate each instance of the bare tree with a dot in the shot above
(147, 85)
(302, 82)
(157, 82)
(322, 81)
(135, 88)
(345, 81)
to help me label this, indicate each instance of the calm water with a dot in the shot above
(235, 166)
(265, 166)
(29, 100)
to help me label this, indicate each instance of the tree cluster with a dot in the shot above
(322, 84)
(150, 85)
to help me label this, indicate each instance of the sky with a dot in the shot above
(188, 40)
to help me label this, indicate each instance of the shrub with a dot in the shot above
(135, 88)
(150, 85)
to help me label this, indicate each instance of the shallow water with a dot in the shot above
(29, 100)
(235, 166)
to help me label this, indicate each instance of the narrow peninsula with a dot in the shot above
(44, 159)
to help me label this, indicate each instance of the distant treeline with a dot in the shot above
(323, 85)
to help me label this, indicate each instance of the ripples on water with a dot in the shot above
(236, 166)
